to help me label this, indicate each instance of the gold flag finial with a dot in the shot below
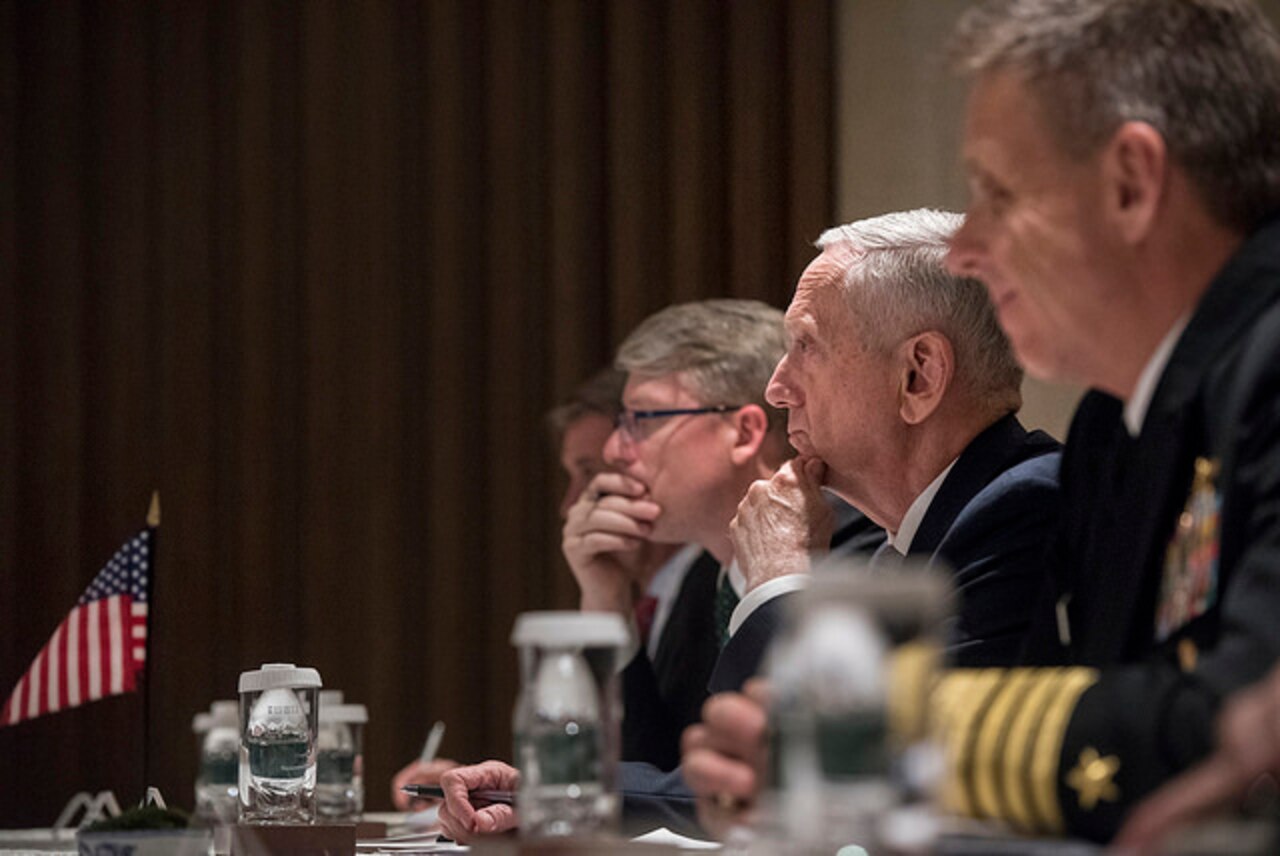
(153, 514)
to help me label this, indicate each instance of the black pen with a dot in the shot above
(492, 797)
(496, 797)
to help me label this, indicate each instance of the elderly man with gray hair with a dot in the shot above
(900, 391)
(901, 394)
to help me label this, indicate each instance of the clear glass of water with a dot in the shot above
(278, 729)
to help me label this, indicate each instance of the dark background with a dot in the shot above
(315, 270)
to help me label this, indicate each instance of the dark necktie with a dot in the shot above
(726, 600)
(646, 607)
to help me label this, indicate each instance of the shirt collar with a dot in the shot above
(1136, 407)
(901, 540)
(667, 579)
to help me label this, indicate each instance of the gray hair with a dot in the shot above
(724, 350)
(1204, 73)
(598, 395)
(897, 286)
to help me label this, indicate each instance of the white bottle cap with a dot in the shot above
(279, 675)
(349, 713)
(584, 629)
(329, 698)
(224, 712)
(201, 722)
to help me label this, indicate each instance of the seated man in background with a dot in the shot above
(901, 394)
(674, 583)
(694, 431)
(672, 589)
(1124, 160)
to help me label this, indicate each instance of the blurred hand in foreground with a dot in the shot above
(462, 820)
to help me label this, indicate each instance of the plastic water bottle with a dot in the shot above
(831, 751)
(340, 759)
(567, 720)
(217, 782)
(849, 677)
(278, 725)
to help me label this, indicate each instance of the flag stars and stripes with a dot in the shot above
(99, 648)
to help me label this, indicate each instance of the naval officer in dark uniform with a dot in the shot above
(1124, 163)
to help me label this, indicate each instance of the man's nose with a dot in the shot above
(779, 392)
(617, 448)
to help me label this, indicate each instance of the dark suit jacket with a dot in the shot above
(663, 695)
(1153, 709)
(989, 521)
(855, 533)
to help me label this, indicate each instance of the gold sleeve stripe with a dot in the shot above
(1016, 755)
(1047, 752)
(913, 669)
(945, 702)
(968, 706)
(989, 742)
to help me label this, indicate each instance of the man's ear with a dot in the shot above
(751, 425)
(1135, 173)
(927, 363)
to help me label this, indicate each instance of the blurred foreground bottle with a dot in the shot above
(849, 679)
(566, 721)
(218, 741)
(340, 759)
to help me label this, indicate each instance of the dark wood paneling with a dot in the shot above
(316, 270)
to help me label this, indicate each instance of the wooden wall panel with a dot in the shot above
(316, 271)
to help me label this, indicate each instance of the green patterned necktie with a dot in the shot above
(726, 600)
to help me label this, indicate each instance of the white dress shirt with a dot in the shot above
(1135, 409)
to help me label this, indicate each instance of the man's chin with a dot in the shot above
(799, 441)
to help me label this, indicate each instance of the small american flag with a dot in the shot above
(99, 649)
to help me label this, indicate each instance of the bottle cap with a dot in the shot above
(201, 722)
(277, 676)
(224, 712)
(329, 698)
(353, 713)
(585, 629)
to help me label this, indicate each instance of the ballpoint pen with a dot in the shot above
(432, 745)
(481, 795)
(493, 796)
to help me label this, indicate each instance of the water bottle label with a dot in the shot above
(220, 769)
(852, 745)
(335, 767)
(561, 754)
(286, 759)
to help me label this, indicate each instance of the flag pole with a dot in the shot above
(153, 523)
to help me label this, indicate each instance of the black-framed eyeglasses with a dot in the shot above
(636, 425)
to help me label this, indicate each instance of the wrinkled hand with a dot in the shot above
(603, 531)
(780, 522)
(417, 773)
(463, 821)
(1248, 746)
(724, 757)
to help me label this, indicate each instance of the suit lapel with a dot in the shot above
(982, 460)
